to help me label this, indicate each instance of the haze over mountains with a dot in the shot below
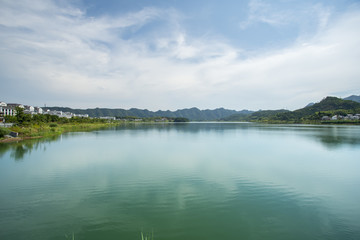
(195, 114)
(353, 98)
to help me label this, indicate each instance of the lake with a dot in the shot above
(184, 181)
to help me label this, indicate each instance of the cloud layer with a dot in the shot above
(60, 56)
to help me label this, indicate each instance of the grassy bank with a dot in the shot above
(52, 129)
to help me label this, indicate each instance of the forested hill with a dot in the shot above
(327, 107)
(193, 114)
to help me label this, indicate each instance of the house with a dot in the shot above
(56, 113)
(29, 108)
(38, 110)
(108, 118)
(81, 115)
(7, 111)
(68, 115)
(325, 118)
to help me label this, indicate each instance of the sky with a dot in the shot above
(169, 54)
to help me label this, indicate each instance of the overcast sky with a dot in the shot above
(169, 54)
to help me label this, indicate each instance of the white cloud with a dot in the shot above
(259, 11)
(71, 59)
(280, 14)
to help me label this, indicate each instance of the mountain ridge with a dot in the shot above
(193, 114)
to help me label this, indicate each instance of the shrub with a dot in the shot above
(4, 131)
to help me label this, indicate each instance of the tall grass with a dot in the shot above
(72, 238)
(51, 129)
(147, 237)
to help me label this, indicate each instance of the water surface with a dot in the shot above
(184, 181)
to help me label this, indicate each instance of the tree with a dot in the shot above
(20, 115)
(181, 119)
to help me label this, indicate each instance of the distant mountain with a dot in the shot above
(193, 114)
(328, 105)
(353, 98)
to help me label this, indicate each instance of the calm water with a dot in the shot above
(184, 181)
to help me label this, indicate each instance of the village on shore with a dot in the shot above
(340, 117)
(9, 109)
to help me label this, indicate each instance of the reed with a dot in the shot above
(147, 237)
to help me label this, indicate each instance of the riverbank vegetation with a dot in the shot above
(3, 132)
(44, 125)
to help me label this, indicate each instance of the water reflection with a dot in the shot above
(331, 137)
(18, 150)
(184, 181)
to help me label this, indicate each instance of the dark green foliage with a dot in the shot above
(27, 119)
(20, 115)
(10, 119)
(256, 116)
(181, 119)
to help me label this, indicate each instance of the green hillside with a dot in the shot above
(329, 106)
(256, 116)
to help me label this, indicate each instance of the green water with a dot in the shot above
(184, 181)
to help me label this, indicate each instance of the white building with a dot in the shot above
(38, 110)
(108, 118)
(7, 111)
(82, 115)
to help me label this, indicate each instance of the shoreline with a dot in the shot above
(18, 139)
(30, 132)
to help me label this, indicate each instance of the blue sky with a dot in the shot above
(170, 54)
